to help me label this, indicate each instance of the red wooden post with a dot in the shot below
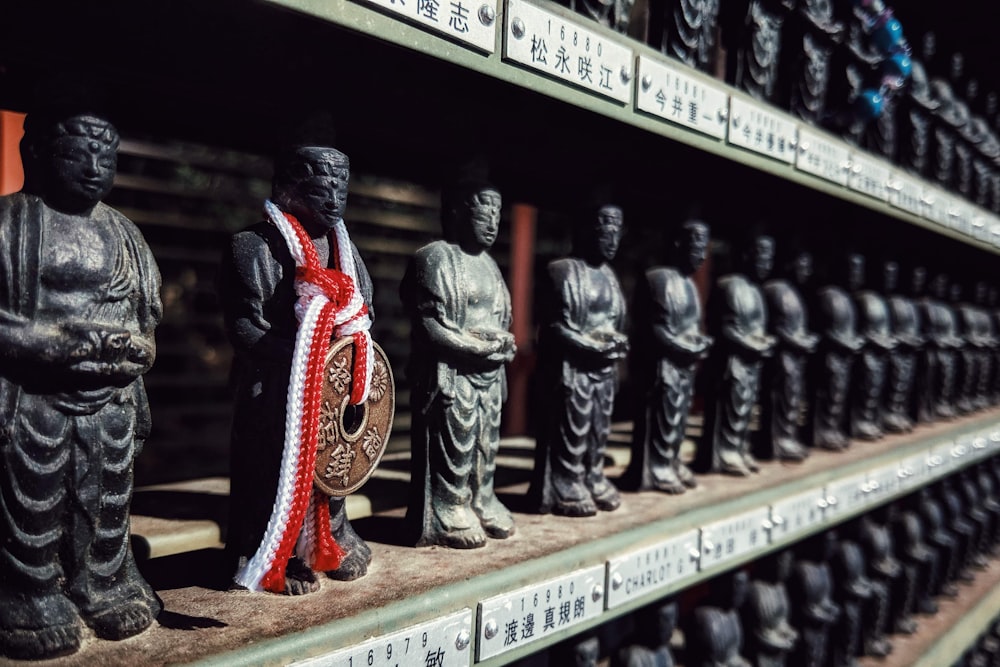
(11, 171)
(522, 258)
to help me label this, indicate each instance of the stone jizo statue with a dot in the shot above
(582, 342)
(460, 309)
(738, 318)
(79, 301)
(669, 342)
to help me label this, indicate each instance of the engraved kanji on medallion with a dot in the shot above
(339, 375)
(372, 442)
(329, 426)
(339, 466)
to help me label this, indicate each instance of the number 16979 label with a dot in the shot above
(443, 642)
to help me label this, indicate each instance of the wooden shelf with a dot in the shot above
(405, 586)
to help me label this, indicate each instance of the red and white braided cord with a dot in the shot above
(329, 305)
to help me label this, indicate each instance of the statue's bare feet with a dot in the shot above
(33, 628)
(357, 553)
(665, 480)
(455, 526)
(496, 519)
(122, 620)
(299, 578)
(684, 474)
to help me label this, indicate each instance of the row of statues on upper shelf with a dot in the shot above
(830, 599)
(79, 302)
(843, 65)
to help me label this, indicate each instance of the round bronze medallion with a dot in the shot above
(352, 439)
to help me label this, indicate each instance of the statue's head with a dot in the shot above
(955, 291)
(890, 276)
(981, 293)
(691, 245)
(310, 182)
(918, 280)
(928, 46)
(854, 267)
(939, 286)
(598, 237)
(801, 267)
(472, 215)
(71, 160)
(759, 256)
(666, 621)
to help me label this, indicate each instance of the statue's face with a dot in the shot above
(761, 258)
(918, 279)
(741, 586)
(890, 276)
(855, 271)
(322, 197)
(802, 267)
(608, 231)
(939, 286)
(982, 292)
(693, 245)
(483, 211)
(81, 169)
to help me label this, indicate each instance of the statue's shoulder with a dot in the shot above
(562, 268)
(13, 205)
(434, 254)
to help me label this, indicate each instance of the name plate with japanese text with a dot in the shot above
(915, 472)
(471, 22)
(443, 642)
(906, 193)
(823, 157)
(724, 540)
(673, 95)
(845, 496)
(869, 176)
(530, 613)
(982, 447)
(939, 460)
(962, 451)
(755, 127)
(936, 206)
(796, 514)
(959, 215)
(657, 568)
(980, 228)
(547, 42)
(884, 482)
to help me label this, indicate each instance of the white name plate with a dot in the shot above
(959, 215)
(939, 460)
(846, 495)
(884, 482)
(980, 228)
(443, 642)
(981, 445)
(869, 176)
(526, 615)
(906, 193)
(963, 450)
(547, 42)
(471, 22)
(724, 540)
(670, 93)
(823, 157)
(756, 128)
(915, 470)
(935, 206)
(796, 514)
(658, 568)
